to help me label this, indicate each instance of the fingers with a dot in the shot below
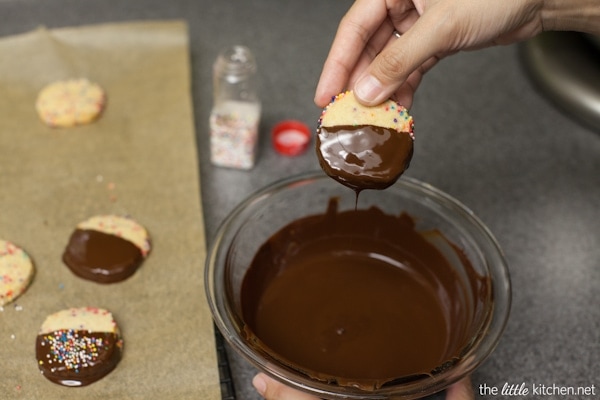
(271, 389)
(419, 48)
(398, 69)
(363, 20)
(405, 93)
(366, 56)
(364, 59)
(461, 390)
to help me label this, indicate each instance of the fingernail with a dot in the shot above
(368, 88)
(259, 384)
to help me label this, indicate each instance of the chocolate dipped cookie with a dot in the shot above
(78, 346)
(107, 248)
(364, 147)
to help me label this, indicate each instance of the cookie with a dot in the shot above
(107, 248)
(78, 346)
(364, 147)
(16, 272)
(70, 102)
(345, 110)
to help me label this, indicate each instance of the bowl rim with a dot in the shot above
(437, 382)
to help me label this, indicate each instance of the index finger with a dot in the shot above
(355, 31)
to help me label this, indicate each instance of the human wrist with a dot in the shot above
(571, 15)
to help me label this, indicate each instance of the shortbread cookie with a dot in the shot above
(70, 102)
(107, 248)
(364, 147)
(16, 272)
(345, 110)
(78, 346)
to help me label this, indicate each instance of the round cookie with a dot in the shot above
(16, 271)
(364, 147)
(70, 102)
(78, 346)
(107, 248)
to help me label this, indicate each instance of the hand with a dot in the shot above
(367, 56)
(271, 389)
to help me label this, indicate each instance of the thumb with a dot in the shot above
(462, 390)
(271, 389)
(403, 56)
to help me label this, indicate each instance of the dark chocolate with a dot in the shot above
(77, 357)
(101, 257)
(361, 298)
(363, 156)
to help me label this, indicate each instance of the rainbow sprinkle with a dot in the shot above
(72, 348)
(349, 112)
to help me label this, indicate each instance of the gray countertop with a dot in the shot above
(483, 134)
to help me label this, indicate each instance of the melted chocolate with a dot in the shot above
(101, 257)
(77, 358)
(364, 156)
(360, 298)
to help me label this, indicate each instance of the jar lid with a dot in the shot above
(290, 137)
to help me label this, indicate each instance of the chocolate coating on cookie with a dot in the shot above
(101, 257)
(106, 249)
(364, 156)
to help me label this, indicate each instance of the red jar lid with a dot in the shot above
(290, 137)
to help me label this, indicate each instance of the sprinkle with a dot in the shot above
(234, 136)
(72, 348)
(349, 112)
(120, 226)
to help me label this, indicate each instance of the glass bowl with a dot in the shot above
(258, 217)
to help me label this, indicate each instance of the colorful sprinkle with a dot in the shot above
(234, 134)
(349, 112)
(72, 348)
(16, 272)
(70, 102)
(124, 227)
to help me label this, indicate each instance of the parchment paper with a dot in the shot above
(138, 159)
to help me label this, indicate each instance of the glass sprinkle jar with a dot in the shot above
(235, 116)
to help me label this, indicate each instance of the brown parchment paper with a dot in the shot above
(138, 159)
